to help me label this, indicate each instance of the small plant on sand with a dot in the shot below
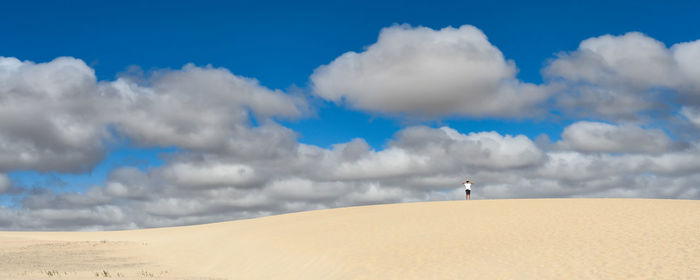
(145, 273)
(52, 273)
(103, 274)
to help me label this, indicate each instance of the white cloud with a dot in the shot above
(420, 164)
(687, 56)
(305, 190)
(478, 150)
(195, 107)
(677, 163)
(51, 116)
(129, 182)
(692, 114)
(424, 72)
(55, 116)
(632, 59)
(387, 163)
(596, 137)
(229, 169)
(374, 193)
(622, 77)
(493, 150)
(194, 175)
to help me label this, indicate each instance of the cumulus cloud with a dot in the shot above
(424, 72)
(55, 116)
(692, 114)
(305, 190)
(596, 137)
(620, 77)
(419, 164)
(51, 116)
(202, 186)
(478, 150)
(626, 59)
(686, 56)
(192, 175)
(195, 107)
(227, 167)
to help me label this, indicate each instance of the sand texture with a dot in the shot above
(488, 239)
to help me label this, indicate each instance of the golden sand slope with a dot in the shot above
(490, 239)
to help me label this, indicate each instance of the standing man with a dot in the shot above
(468, 188)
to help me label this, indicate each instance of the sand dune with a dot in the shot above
(490, 239)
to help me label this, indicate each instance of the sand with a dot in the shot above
(488, 239)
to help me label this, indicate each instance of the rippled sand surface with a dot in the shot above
(487, 239)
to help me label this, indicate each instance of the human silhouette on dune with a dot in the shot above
(468, 188)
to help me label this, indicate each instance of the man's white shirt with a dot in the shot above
(468, 186)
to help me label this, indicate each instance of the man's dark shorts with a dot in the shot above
(468, 191)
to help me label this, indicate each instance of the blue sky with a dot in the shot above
(281, 43)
